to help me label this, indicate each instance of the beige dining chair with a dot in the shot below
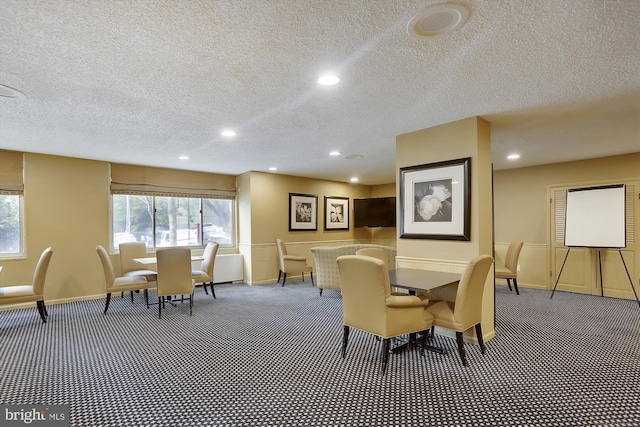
(205, 274)
(509, 271)
(378, 253)
(368, 304)
(466, 311)
(34, 291)
(128, 267)
(119, 284)
(174, 275)
(291, 263)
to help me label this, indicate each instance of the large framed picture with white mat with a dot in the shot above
(435, 200)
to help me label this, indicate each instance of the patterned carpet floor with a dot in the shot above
(270, 356)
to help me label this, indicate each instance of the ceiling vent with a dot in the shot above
(438, 19)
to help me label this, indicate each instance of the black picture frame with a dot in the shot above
(336, 213)
(303, 212)
(435, 200)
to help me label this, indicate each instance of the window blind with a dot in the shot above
(11, 172)
(149, 181)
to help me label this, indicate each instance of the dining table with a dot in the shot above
(414, 280)
(151, 260)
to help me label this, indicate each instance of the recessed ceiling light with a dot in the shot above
(354, 156)
(184, 157)
(228, 132)
(334, 153)
(354, 179)
(513, 156)
(438, 19)
(273, 168)
(328, 80)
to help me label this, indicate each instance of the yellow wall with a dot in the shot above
(521, 194)
(269, 218)
(464, 138)
(522, 206)
(67, 208)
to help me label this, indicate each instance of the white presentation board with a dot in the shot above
(595, 217)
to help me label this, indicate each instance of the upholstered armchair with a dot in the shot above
(327, 275)
(291, 263)
(368, 304)
(466, 311)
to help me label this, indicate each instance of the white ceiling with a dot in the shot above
(144, 81)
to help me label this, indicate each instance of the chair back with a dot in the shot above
(378, 253)
(468, 304)
(365, 287)
(129, 251)
(209, 258)
(513, 253)
(40, 273)
(282, 251)
(174, 271)
(109, 276)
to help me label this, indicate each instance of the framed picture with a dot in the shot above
(336, 213)
(303, 212)
(435, 200)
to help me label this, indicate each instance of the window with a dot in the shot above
(11, 204)
(172, 221)
(11, 220)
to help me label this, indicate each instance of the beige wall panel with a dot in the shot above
(264, 263)
(243, 201)
(67, 207)
(614, 276)
(386, 236)
(522, 212)
(534, 265)
(521, 203)
(270, 207)
(576, 275)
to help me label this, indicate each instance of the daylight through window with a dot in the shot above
(172, 221)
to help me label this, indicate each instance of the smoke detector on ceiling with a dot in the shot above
(438, 19)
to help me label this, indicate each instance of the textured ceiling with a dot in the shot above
(146, 81)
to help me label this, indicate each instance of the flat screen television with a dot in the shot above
(374, 212)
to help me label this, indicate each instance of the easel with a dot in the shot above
(600, 268)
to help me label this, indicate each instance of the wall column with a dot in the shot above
(464, 138)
